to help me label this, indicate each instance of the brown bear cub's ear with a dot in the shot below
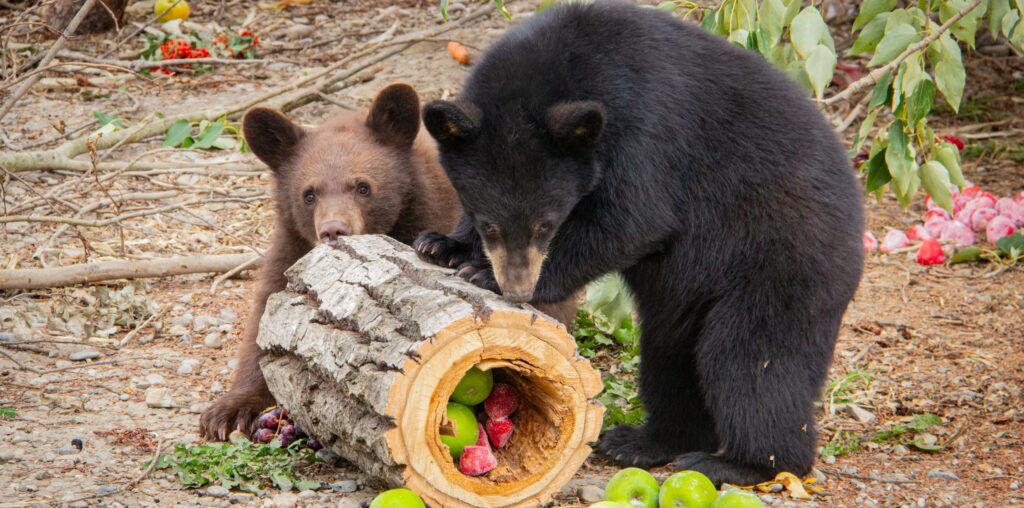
(395, 116)
(270, 135)
(451, 122)
(576, 124)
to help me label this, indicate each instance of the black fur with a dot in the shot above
(714, 185)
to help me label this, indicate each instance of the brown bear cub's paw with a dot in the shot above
(233, 411)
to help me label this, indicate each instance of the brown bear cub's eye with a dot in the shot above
(309, 196)
(363, 189)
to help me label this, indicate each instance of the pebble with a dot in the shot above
(829, 459)
(6, 456)
(306, 495)
(87, 354)
(66, 450)
(198, 407)
(241, 498)
(590, 494)
(284, 500)
(860, 414)
(1014, 485)
(349, 503)
(79, 504)
(213, 340)
(233, 363)
(216, 387)
(155, 379)
(159, 398)
(217, 491)
(943, 475)
(344, 485)
(182, 320)
(106, 489)
(124, 397)
(188, 366)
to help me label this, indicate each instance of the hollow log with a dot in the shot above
(368, 342)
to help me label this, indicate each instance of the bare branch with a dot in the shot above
(42, 278)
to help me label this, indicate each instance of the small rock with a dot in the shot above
(297, 31)
(155, 379)
(943, 475)
(213, 340)
(306, 495)
(344, 485)
(829, 459)
(348, 502)
(860, 414)
(79, 504)
(188, 366)
(1014, 485)
(66, 450)
(43, 475)
(241, 498)
(590, 494)
(818, 475)
(198, 407)
(216, 387)
(31, 488)
(124, 397)
(927, 439)
(159, 398)
(329, 456)
(217, 491)
(285, 500)
(51, 389)
(104, 490)
(227, 315)
(233, 363)
(183, 320)
(87, 354)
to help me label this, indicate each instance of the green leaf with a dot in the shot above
(965, 28)
(307, 485)
(882, 92)
(917, 443)
(739, 14)
(878, 172)
(7, 413)
(807, 31)
(935, 180)
(949, 156)
(444, 10)
(898, 157)
(105, 119)
(792, 9)
(177, 133)
(500, 4)
(997, 10)
(820, 65)
(871, 9)
(966, 255)
(924, 421)
(1009, 243)
(920, 102)
(868, 39)
(209, 135)
(950, 78)
(670, 5)
(739, 37)
(896, 39)
(710, 21)
(770, 17)
(865, 128)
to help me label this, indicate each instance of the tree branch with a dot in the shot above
(877, 74)
(42, 278)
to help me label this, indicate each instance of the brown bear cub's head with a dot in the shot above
(349, 176)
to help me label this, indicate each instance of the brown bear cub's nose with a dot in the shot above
(331, 230)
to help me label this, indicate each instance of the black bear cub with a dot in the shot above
(606, 137)
(358, 173)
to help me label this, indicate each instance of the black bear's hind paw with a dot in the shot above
(630, 446)
(720, 470)
(480, 274)
(441, 250)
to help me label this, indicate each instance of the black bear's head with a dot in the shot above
(349, 176)
(519, 175)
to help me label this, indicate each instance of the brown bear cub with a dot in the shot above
(355, 174)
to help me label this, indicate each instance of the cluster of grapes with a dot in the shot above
(275, 424)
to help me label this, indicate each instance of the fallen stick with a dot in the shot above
(42, 278)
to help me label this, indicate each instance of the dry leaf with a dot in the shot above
(794, 485)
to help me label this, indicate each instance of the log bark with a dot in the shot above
(366, 345)
(41, 278)
(105, 15)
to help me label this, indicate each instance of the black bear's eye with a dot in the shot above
(309, 196)
(363, 189)
(489, 229)
(542, 227)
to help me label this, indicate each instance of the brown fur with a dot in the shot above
(409, 193)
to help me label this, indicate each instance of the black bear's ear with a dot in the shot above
(395, 116)
(451, 121)
(270, 135)
(576, 124)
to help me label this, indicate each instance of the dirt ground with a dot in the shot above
(945, 341)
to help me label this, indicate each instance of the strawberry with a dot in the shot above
(869, 240)
(980, 218)
(477, 460)
(931, 253)
(1012, 210)
(918, 233)
(970, 191)
(481, 437)
(958, 233)
(499, 431)
(502, 401)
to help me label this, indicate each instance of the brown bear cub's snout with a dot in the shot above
(331, 230)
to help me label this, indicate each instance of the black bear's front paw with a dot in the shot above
(441, 250)
(480, 274)
(631, 446)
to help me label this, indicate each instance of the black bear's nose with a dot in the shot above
(331, 230)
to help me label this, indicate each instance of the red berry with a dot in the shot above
(955, 141)
(477, 460)
(930, 253)
(502, 401)
(499, 431)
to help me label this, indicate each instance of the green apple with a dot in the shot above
(634, 487)
(463, 430)
(397, 498)
(737, 499)
(609, 504)
(474, 388)
(687, 489)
